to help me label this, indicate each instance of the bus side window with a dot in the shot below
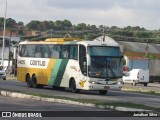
(25, 51)
(47, 51)
(31, 50)
(65, 52)
(73, 52)
(55, 51)
(37, 51)
(22, 50)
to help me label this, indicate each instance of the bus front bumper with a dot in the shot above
(94, 86)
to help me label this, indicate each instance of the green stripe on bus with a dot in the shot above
(58, 72)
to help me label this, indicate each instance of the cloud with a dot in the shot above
(119, 13)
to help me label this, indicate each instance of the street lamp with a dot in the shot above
(4, 30)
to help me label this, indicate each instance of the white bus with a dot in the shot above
(70, 63)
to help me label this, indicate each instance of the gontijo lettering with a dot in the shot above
(37, 63)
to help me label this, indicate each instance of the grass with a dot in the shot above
(107, 105)
(140, 90)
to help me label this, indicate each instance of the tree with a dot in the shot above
(67, 24)
(20, 24)
(59, 25)
(93, 27)
(51, 25)
(1, 22)
(11, 23)
(21, 28)
(81, 26)
(34, 25)
(44, 25)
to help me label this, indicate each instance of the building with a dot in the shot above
(135, 49)
(6, 49)
(140, 49)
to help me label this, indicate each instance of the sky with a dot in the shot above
(120, 13)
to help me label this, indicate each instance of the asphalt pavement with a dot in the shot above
(112, 96)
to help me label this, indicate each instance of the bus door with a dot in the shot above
(83, 59)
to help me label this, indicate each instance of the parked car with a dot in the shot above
(2, 73)
(137, 76)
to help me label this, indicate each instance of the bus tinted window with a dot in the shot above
(55, 51)
(74, 52)
(49, 51)
(26, 50)
(104, 51)
(65, 51)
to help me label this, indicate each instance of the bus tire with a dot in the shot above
(145, 84)
(34, 81)
(103, 92)
(134, 83)
(28, 81)
(72, 85)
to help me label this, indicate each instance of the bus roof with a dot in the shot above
(52, 41)
(71, 41)
(62, 39)
(97, 43)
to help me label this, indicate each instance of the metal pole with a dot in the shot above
(4, 30)
(9, 48)
(103, 33)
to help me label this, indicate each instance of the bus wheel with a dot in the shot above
(103, 92)
(73, 86)
(34, 81)
(145, 84)
(134, 83)
(28, 80)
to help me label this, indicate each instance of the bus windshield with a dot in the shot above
(104, 51)
(105, 62)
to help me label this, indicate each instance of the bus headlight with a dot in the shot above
(92, 82)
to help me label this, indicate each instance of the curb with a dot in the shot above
(22, 95)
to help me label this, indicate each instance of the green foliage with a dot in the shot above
(81, 26)
(59, 28)
(150, 56)
(123, 61)
(34, 25)
(39, 38)
(28, 37)
(1, 22)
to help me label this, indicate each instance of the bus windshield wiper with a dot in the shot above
(111, 71)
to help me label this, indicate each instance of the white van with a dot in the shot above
(136, 76)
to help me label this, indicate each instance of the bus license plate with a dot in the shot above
(106, 87)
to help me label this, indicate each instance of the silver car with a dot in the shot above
(2, 74)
